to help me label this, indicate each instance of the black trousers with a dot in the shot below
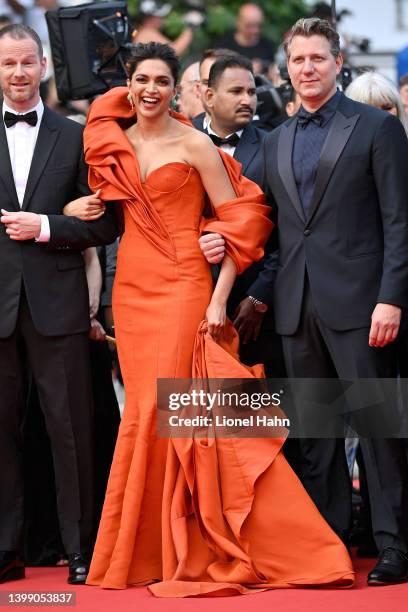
(61, 370)
(315, 351)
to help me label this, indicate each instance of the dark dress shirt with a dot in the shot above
(311, 133)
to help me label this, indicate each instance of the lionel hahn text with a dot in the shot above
(224, 421)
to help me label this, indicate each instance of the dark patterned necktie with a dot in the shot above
(304, 118)
(11, 119)
(232, 140)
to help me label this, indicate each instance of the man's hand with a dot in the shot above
(247, 321)
(97, 332)
(385, 322)
(21, 225)
(213, 247)
(87, 208)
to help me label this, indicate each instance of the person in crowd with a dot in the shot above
(403, 91)
(161, 168)
(152, 15)
(293, 104)
(340, 279)
(41, 326)
(14, 10)
(375, 89)
(247, 40)
(209, 57)
(189, 100)
(231, 101)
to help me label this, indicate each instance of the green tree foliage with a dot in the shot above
(280, 15)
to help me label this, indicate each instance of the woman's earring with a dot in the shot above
(130, 100)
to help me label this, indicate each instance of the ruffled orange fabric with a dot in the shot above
(192, 516)
(113, 168)
(235, 517)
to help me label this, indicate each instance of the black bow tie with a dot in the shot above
(304, 118)
(232, 140)
(11, 119)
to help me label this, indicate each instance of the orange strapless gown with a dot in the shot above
(194, 517)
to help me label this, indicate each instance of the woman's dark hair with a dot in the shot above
(154, 50)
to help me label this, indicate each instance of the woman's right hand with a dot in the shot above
(216, 316)
(87, 208)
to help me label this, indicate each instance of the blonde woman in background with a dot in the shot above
(375, 89)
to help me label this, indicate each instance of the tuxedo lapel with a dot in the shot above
(47, 137)
(247, 147)
(285, 168)
(339, 133)
(6, 172)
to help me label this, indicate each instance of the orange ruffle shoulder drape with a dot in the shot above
(114, 169)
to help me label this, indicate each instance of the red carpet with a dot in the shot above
(90, 599)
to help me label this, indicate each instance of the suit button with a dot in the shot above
(307, 232)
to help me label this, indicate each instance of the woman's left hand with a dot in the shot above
(216, 317)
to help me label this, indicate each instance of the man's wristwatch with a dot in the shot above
(258, 305)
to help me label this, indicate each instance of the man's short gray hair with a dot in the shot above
(19, 31)
(313, 26)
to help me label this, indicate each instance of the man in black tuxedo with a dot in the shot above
(44, 310)
(337, 176)
(231, 102)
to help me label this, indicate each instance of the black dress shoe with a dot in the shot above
(11, 566)
(391, 568)
(78, 568)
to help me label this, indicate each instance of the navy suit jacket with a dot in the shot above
(354, 241)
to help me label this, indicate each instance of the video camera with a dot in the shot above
(90, 44)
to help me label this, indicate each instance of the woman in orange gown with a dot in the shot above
(188, 516)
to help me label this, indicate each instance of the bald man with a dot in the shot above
(247, 40)
(189, 103)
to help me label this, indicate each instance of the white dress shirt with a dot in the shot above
(21, 140)
(227, 148)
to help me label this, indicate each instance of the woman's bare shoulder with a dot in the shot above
(195, 140)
